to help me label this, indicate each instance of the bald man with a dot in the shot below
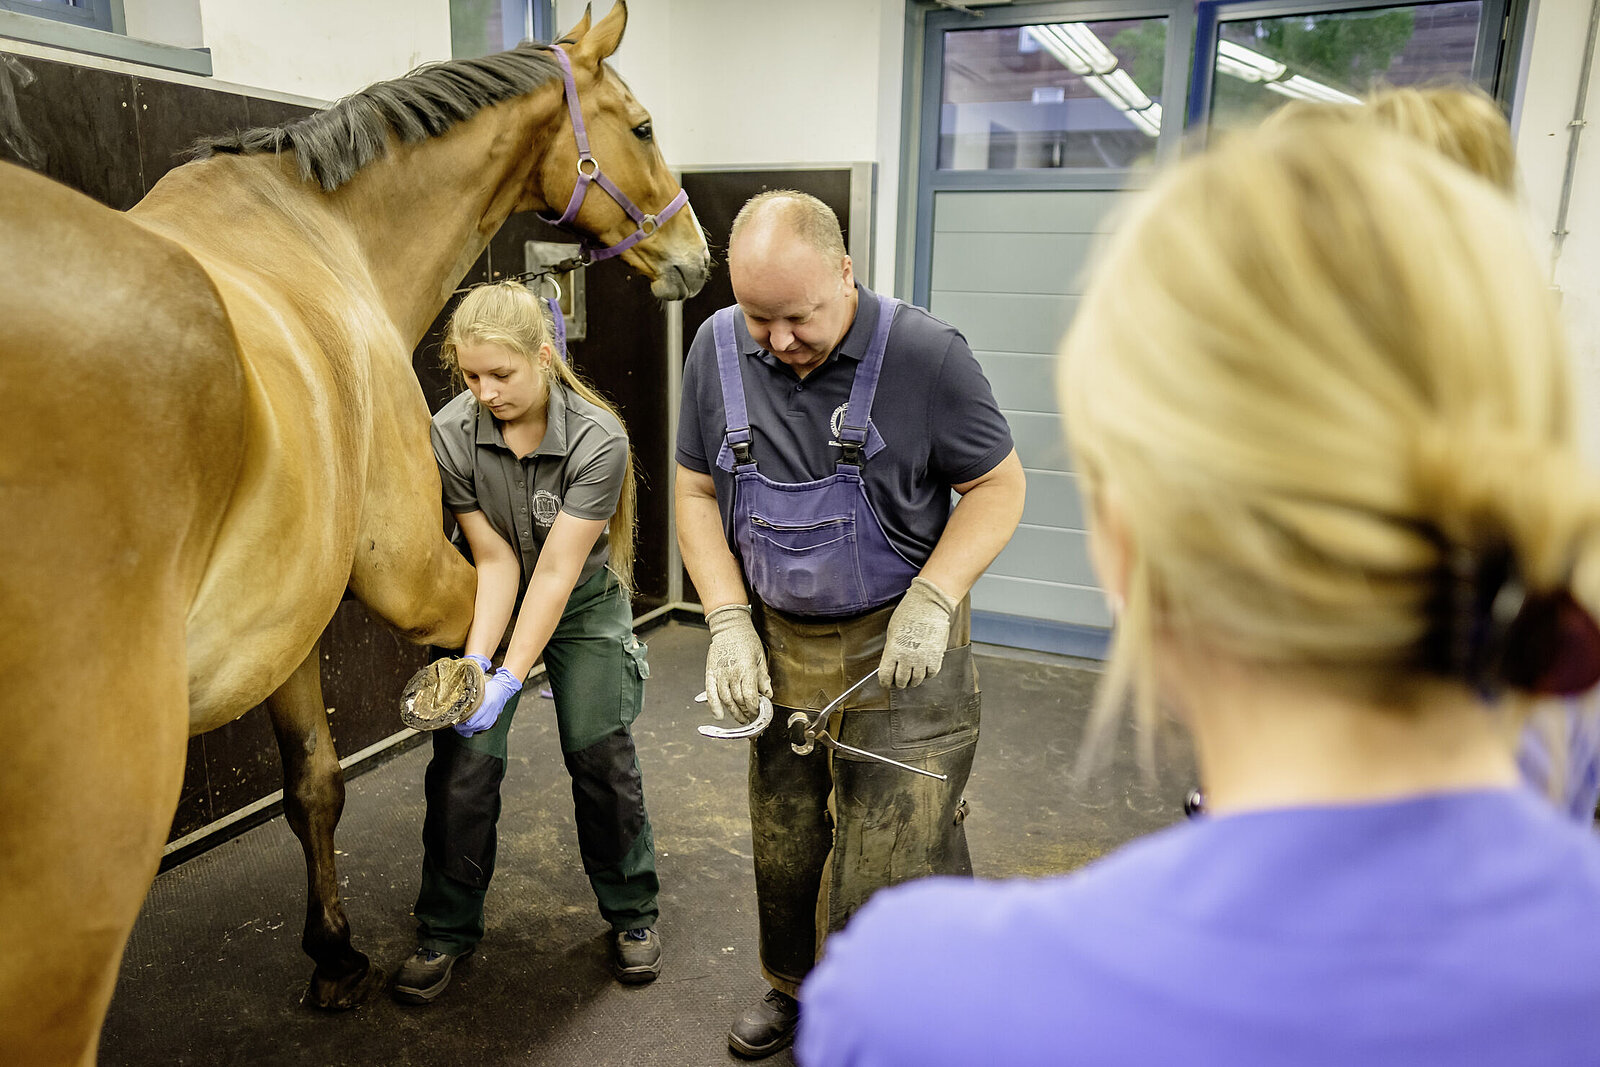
(825, 550)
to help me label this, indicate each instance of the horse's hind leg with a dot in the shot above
(94, 720)
(313, 798)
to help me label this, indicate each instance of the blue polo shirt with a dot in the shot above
(1448, 929)
(935, 420)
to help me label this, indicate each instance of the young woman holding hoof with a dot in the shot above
(537, 471)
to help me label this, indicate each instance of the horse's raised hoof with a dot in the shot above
(442, 694)
(346, 991)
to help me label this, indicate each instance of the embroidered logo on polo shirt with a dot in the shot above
(546, 506)
(836, 421)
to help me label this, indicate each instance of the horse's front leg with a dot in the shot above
(313, 798)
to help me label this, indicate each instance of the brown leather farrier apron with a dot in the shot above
(829, 829)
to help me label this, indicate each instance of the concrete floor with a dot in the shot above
(213, 972)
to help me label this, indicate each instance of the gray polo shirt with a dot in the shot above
(577, 468)
(934, 421)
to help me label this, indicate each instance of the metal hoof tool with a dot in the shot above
(749, 729)
(813, 730)
(827, 740)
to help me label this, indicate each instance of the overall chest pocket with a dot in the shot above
(803, 535)
(808, 567)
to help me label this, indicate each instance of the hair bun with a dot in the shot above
(1493, 634)
(1552, 646)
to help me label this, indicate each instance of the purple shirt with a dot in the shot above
(1448, 929)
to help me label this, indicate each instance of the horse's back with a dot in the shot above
(120, 403)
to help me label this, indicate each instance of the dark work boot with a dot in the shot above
(766, 1027)
(423, 976)
(636, 955)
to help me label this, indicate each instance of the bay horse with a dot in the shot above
(236, 437)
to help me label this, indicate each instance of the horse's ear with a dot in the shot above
(603, 39)
(578, 32)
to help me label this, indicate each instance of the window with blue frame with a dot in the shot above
(94, 14)
(1052, 96)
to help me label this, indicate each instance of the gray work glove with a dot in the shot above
(919, 630)
(736, 664)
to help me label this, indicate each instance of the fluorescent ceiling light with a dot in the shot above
(1125, 87)
(1301, 88)
(1146, 117)
(1061, 48)
(1076, 47)
(1099, 57)
(1247, 64)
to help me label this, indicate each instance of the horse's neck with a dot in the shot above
(409, 224)
(427, 210)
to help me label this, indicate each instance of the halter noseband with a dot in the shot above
(646, 224)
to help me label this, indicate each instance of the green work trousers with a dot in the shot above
(597, 669)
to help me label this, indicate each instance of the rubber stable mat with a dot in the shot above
(213, 973)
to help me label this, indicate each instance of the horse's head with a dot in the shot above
(622, 142)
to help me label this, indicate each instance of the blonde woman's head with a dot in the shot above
(507, 314)
(516, 328)
(1312, 369)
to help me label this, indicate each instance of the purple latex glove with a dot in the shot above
(501, 687)
(482, 661)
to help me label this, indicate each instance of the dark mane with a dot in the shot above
(333, 144)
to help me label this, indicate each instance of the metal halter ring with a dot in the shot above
(647, 225)
(591, 173)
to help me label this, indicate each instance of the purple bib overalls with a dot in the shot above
(811, 548)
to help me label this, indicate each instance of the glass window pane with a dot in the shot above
(1053, 95)
(479, 27)
(1337, 56)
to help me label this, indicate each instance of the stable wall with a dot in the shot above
(747, 82)
(728, 82)
(319, 49)
(1545, 112)
(752, 82)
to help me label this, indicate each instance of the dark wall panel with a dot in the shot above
(717, 196)
(81, 122)
(194, 802)
(172, 117)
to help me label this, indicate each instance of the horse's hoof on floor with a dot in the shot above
(442, 694)
(351, 991)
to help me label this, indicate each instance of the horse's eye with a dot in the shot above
(643, 132)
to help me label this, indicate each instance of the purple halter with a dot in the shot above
(558, 322)
(647, 224)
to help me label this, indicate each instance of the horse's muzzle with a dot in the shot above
(679, 279)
